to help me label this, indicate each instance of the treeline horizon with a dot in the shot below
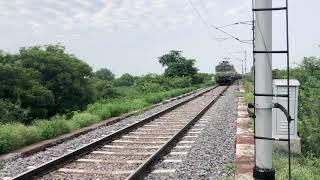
(39, 82)
(45, 92)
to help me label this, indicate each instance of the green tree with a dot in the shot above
(22, 87)
(63, 74)
(177, 65)
(7, 58)
(172, 57)
(180, 69)
(279, 74)
(308, 73)
(104, 74)
(125, 80)
(104, 89)
(150, 83)
(10, 112)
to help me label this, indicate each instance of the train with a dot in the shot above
(226, 74)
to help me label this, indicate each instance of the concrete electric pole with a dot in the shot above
(263, 90)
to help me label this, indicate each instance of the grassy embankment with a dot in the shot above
(17, 135)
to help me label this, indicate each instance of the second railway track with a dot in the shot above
(129, 153)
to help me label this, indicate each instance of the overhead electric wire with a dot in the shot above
(213, 26)
(204, 21)
(235, 57)
(236, 23)
(216, 27)
(234, 37)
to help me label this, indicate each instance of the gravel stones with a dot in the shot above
(213, 148)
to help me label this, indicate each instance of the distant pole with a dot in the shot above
(242, 68)
(245, 63)
(263, 91)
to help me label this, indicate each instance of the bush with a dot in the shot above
(52, 128)
(153, 98)
(14, 136)
(201, 78)
(151, 83)
(125, 80)
(100, 109)
(104, 89)
(114, 108)
(180, 82)
(248, 92)
(308, 73)
(10, 112)
(80, 120)
(148, 87)
(121, 107)
(104, 74)
(128, 92)
(139, 104)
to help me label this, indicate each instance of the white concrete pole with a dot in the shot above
(263, 85)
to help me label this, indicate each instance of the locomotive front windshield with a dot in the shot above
(223, 68)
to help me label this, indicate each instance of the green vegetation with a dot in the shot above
(104, 74)
(125, 80)
(45, 92)
(46, 81)
(308, 73)
(306, 165)
(248, 85)
(229, 169)
(177, 65)
(302, 167)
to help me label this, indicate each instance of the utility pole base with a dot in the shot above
(263, 174)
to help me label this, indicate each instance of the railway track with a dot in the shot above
(129, 153)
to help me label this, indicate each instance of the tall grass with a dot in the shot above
(303, 167)
(16, 135)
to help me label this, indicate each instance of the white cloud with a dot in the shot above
(243, 8)
(35, 26)
(112, 14)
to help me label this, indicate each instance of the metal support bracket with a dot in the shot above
(261, 173)
(270, 139)
(250, 112)
(283, 109)
(270, 9)
(271, 95)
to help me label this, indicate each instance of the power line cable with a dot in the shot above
(236, 23)
(213, 26)
(235, 57)
(204, 21)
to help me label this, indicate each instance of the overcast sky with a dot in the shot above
(129, 35)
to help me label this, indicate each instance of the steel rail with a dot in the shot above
(145, 167)
(71, 156)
